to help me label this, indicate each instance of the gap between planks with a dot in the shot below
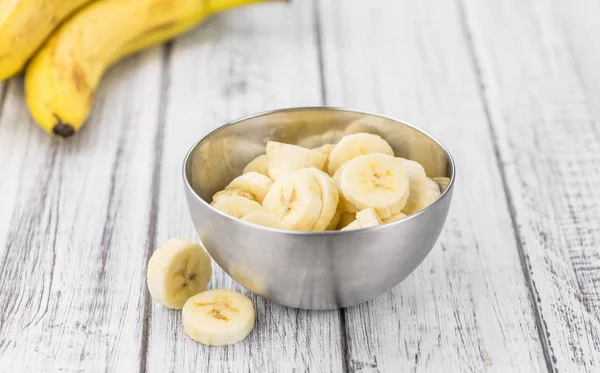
(154, 191)
(319, 45)
(476, 65)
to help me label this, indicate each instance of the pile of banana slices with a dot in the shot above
(178, 274)
(356, 183)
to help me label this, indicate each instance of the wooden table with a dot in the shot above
(512, 87)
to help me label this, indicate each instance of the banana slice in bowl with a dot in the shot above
(237, 206)
(352, 146)
(258, 164)
(295, 199)
(325, 149)
(262, 218)
(252, 182)
(230, 193)
(329, 197)
(375, 180)
(368, 218)
(283, 158)
(396, 216)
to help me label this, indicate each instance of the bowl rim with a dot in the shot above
(446, 192)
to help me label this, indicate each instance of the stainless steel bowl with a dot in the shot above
(312, 270)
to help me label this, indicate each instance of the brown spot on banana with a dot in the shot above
(216, 313)
(78, 76)
(160, 27)
(62, 129)
(152, 30)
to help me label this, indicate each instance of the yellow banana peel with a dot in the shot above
(24, 25)
(62, 78)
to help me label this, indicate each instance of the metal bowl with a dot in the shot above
(301, 269)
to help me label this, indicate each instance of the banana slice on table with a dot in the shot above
(177, 270)
(334, 221)
(344, 205)
(258, 164)
(368, 218)
(352, 146)
(263, 218)
(396, 216)
(346, 219)
(329, 197)
(325, 149)
(254, 183)
(283, 158)
(218, 317)
(375, 180)
(237, 206)
(295, 199)
(230, 193)
(443, 182)
(417, 180)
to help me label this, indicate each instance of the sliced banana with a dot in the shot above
(344, 205)
(368, 218)
(331, 136)
(176, 271)
(442, 182)
(230, 193)
(237, 206)
(263, 218)
(329, 197)
(396, 216)
(417, 180)
(325, 149)
(353, 225)
(423, 190)
(258, 164)
(295, 199)
(218, 317)
(334, 221)
(352, 146)
(375, 180)
(283, 158)
(433, 192)
(346, 219)
(252, 182)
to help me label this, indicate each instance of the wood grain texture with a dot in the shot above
(512, 87)
(467, 307)
(238, 63)
(541, 88)
(73, 228)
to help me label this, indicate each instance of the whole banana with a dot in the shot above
(62, 78)
(24, 25)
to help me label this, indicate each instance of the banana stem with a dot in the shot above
(214, 6)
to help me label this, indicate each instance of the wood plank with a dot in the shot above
(245, 61)
(467, 307)
(73, 229)
(539, 67)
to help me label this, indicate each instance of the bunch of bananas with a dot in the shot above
(65, 46)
